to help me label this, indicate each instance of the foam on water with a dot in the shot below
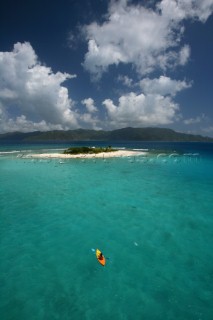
(152, 217)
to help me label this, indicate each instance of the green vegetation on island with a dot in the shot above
(88, 150)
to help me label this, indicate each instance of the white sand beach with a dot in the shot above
(117, 153)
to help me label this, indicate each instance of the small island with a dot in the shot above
(88, 153)
(88, 150)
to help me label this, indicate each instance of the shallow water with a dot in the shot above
(152, 218)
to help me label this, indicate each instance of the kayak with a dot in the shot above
(101, 259)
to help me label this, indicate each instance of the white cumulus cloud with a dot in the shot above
(141, 110)
(90, 105)
(152, 107)
(183, 9)
(32, 97)
(90, 118)
(149, 39)
(163, 86)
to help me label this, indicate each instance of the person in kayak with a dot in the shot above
(100, 257)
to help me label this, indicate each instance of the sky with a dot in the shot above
(98, 64)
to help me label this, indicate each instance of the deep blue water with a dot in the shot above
(151, 216)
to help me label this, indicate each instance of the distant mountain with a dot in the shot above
(125, 134)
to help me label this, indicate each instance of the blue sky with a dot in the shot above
(101, 64)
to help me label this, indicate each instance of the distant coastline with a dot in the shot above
(125, 134)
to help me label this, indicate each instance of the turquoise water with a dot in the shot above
(152, 218)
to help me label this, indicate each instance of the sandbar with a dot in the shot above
(112, 154)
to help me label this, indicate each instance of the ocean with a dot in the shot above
(151, 216)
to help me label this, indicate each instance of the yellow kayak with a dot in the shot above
(100, 257)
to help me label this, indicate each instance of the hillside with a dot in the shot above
(125, 134)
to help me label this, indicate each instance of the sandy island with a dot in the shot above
(112, 154)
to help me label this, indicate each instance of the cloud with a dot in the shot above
(196, 120)
(126, 81)
(184, 55)
(208, 130)
(32, 96)
(130, 35)
(200, 124)
(22, 124)
(89, 118)
(186, 9)
(141, 110)
(163, 86)
(89, 104)
(149, 39)
(152, 107)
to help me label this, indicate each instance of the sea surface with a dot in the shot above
(151, 216)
